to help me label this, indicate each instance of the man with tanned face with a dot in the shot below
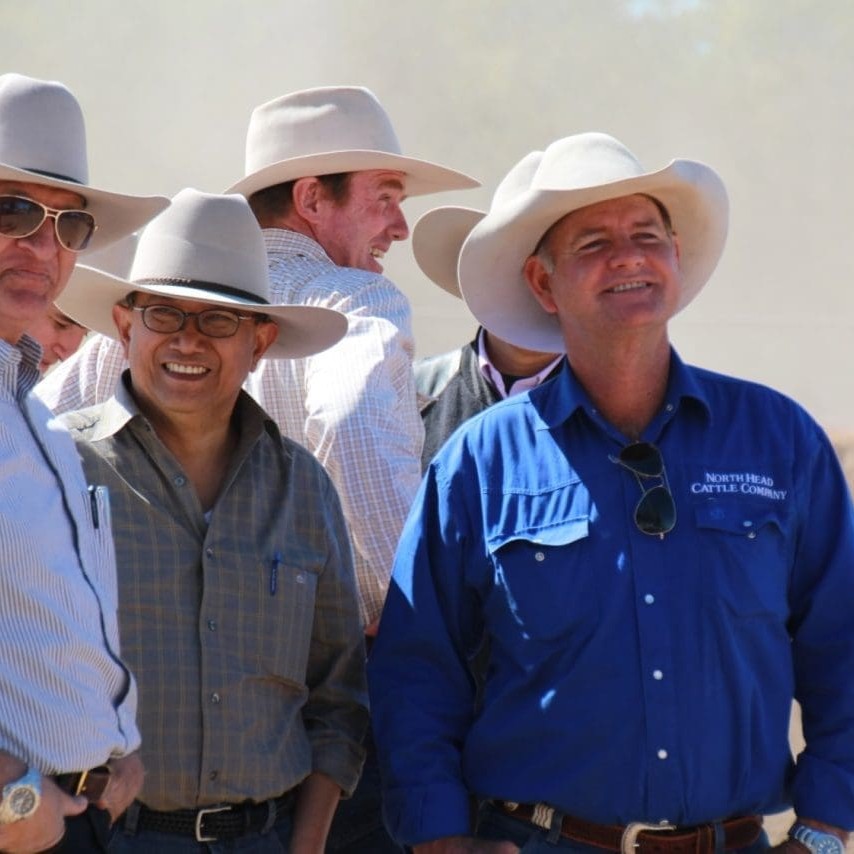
(657, 557)
(67, 702)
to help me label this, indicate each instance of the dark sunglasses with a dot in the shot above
(655, 513)
(20, 217)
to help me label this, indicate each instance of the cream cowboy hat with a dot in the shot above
(43, 141)
(328, 130)
(439, 234)
(208, 248)
(575, 172)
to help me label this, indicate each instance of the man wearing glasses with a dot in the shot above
(238, 606)
(657, 557)
(67, 702)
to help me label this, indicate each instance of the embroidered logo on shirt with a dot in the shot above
(742, 483)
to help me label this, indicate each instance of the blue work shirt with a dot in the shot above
(631, 677)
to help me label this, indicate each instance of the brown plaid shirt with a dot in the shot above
(244, 631)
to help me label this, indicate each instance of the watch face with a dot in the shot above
(827, 844)
(23, 800)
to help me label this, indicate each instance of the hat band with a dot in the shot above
(225, 290)
(53, 175)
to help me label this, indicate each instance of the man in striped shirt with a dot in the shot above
(67, 702)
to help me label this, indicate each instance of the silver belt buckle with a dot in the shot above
(200, 816)
(629, 841)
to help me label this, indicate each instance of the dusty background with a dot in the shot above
(760, 89)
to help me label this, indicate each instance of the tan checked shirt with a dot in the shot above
(244, 633)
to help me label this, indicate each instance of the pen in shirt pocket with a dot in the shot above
(93, 504)
(274, 572)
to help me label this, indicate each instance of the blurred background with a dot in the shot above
(759, 89)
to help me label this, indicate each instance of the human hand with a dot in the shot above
(46, 826)
(126, 773)
(465, 845)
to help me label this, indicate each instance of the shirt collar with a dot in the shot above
(122, 408)
(286, 242)
(496, 379)
(19, 366)
(565, 396)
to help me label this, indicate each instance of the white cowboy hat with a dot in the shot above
(439, 234)
(573, 173)
(208, 248)
(43, 141)
(332, 129)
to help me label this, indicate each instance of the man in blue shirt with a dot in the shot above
(659, 558)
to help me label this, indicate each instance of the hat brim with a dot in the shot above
(91, 294)
(422, 176)
(437, 238)
(116, 214)
(492, 257)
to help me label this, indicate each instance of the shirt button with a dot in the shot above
(300, 578)
(215, 698)
(669, 407)
(649, 598)
(213, 775)
(208, 552)
(657, 674)
(751, 535)
(180, 480)
(662, 754)
(539, 556)
(212, 625)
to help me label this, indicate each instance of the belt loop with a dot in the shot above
(131, 819)
(271, 817)
(720, 837)
(556, 826)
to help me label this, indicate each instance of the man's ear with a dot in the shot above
(307, 196)
(266, 334)
(539, 280)
(123, 318)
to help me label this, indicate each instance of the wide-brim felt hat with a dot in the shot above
(573, 173)
(439, 234)
(43, 141)
(328, 130)
(209, 248)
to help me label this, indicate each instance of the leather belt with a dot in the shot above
(90, 784)
(641, 838)
(227, 821)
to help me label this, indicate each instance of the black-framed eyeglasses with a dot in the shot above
(21, 217)
(655, 513)
(213, 322)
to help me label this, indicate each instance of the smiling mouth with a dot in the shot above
(628, 286)
(377, 253)
(193, 370)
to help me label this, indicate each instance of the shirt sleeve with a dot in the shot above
(359, 417)
(87, 377)
(336, 712)
(822, 630)
(422, 691)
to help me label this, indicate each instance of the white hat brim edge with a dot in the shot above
(91, 294)
(437, 238)
(116, 214)
(422, 176)
(492, 256)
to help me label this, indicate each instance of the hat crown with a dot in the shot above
(585, 160)
(517, 180)
(205, 237)
(318, 121)
(42, 129)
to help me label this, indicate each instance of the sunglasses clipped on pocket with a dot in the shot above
(21, 217)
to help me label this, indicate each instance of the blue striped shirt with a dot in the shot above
(67, 703)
